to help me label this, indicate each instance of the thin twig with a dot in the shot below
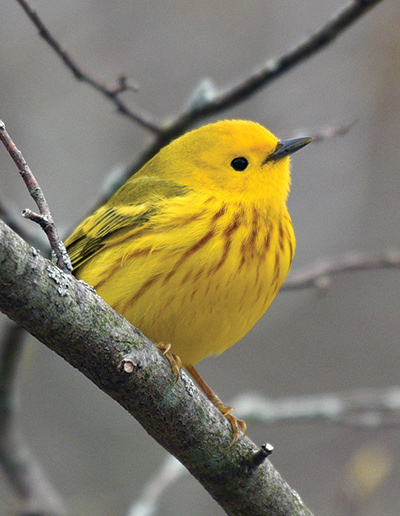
(317, 275)
(261, 454)
(276, 67)
(360, 408)
(215, 101)
(260, 78)
(149, 501)
(332, 131)
(22, 471)
(99, 340)
(327, 132)
(112, 94)
(45, 219)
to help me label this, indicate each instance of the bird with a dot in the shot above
(194, 247)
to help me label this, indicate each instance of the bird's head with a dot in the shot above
(232, 158)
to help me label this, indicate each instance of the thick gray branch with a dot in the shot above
(74, 322)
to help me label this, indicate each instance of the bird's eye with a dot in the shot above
(239, 164)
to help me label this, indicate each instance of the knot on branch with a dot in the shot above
(128, 365)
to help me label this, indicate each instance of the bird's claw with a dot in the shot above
(173, 358)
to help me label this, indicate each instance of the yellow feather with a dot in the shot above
(191, 250)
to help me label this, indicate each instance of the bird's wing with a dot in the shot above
(131, 207)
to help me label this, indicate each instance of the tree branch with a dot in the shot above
(317, 275)
(45, 218)
(260, 78)
(112, 94)
(361, 408)
(216, 100)
(128, 367)
(22, 471)
(149, 500)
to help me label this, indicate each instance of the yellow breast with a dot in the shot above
(198, 278)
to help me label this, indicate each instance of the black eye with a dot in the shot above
(239, 164)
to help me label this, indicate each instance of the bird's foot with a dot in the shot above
(173, 359)
(239, 427)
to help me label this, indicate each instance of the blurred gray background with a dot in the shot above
(345, 197)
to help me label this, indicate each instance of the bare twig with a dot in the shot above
(215, 101)
(112, 94)
(38, 240)
(327, 132)
(317, 275)
(361, 408)
(22, 471)
(260, 78)
(100, 341)
(124, 84)
(169, 472)
(44, 219)
(148, 503)
(35, 217)
(261, 454)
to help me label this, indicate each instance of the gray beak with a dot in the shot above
(287, 147)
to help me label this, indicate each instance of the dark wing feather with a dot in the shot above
(130, 208)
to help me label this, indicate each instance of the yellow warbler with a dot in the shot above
(194, 247)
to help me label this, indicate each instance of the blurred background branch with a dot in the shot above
(357, 84)
(209, 100)
(23, 472)
(113, 94)
(318, 275)
(99, 342)
(362, 408)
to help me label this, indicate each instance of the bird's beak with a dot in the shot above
(287, 147)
